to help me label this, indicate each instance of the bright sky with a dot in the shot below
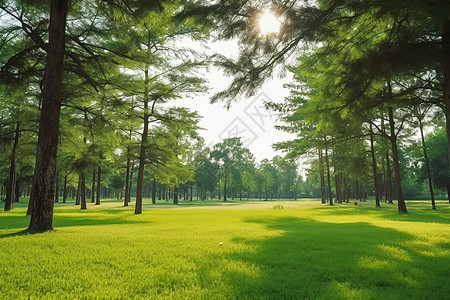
(246, 118)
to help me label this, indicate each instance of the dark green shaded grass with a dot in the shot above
(304, 251)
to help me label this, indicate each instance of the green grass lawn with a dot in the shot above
(270, 250)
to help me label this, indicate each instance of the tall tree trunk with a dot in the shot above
(374, 169)
(175, 195)
(338, 188)
(93, 186)
(140, 179)
(17, 189)
(446, 79)
(99, 178)
(191, 192)
(322, 177)
(424, 147)
(154, 191)
(57, 187)
(65, 189)
(389, 178)
(225, 187)
(11, 187)
(78, 197)
(83, 190)
(398, 183)
(30, 203)
(45, 167)
(330, 195)
(383, 164)
(448, 193)
(127, 180)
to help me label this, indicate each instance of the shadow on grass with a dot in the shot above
(67, 218)
(12, 234)
(417, 212)
(318, 260)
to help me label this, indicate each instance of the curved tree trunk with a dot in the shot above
(45, 168)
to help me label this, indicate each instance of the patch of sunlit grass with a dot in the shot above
(233, 250)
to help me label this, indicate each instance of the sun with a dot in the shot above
(268, 23)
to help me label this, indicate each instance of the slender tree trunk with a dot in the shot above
(11, 187)
(448, 193)
(83, 190)
(45, 167)
(322, 177)
(446, 79)
(99, 178)
(140, 179)
(30, 203)
(225, 188)
(398, 184)
(57, 187)
(389, 178)
(154, 191)
(330, 195)
(175, 195)
(17, 189)
(374, 169)
(78, 197)
(338, 188)
(424, 147)
(127, 180)
(383, 164)
(65, 189)
(191, 192)
(93, 186)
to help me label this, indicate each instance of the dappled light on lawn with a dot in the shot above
(270, 250)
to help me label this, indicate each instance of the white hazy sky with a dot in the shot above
(246, 118)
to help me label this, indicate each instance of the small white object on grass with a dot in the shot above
(220, 243)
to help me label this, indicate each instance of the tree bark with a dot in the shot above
(398, 183)
(374, 169)
(11, 187)
(140, 179)
(45, 167)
